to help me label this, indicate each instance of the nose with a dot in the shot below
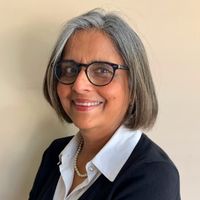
(82, 83)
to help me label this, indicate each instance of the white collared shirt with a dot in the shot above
(108, 161)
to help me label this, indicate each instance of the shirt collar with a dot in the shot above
(111, 157)
(116, 152)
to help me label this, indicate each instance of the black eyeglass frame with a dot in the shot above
(80, 65)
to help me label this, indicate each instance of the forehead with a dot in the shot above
(91, 45)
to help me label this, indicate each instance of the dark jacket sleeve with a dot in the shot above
(150, 181)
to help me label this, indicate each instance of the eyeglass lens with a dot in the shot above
(97, 73)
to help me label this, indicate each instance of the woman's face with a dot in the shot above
(92, 107)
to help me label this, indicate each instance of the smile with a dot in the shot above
(87, 104)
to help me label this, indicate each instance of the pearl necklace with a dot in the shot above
(75, 162)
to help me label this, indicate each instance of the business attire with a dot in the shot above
(130, 167)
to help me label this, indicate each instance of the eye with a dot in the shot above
(68, 69)
(101, 69)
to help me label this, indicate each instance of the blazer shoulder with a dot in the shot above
(148, 169)
(55, 148)
(147, 151)
(59, 144)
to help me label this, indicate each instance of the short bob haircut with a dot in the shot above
(142, 112)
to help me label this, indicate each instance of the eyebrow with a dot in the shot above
(93, 61)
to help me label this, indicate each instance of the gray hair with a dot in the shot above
(142, 112)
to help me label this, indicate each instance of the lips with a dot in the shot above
(85, 105)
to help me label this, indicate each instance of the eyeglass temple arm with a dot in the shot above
(123, 67)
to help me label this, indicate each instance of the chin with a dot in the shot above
(83, 124)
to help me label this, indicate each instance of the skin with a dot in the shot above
(97, 123)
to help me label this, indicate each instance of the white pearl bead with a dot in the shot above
(75, 162)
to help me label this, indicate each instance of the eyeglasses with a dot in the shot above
(98, 73)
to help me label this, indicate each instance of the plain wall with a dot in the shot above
(170, 31)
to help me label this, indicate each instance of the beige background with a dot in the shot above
(171, 33)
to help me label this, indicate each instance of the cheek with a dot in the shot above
(63, 92)
(59, 90)
(117, 96)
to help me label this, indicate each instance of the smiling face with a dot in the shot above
(92, 108)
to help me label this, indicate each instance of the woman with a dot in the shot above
(98, 78)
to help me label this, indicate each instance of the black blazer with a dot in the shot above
(148, 174)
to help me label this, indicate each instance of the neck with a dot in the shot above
(94, 140)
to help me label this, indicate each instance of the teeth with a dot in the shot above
(88, 103)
